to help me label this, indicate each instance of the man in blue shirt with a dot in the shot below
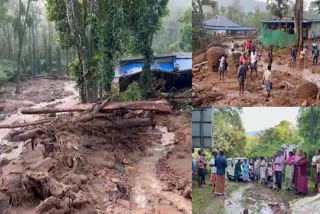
(221, 164)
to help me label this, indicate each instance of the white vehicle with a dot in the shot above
(231, 164)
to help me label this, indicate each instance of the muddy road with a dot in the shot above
(153, 175)
(209, 90)
(257, 199)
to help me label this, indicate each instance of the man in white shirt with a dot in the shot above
(222, 66)
(213, 168)
(232, 46)
(254, 61)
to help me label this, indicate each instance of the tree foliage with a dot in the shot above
(229, 134)
(270, 140)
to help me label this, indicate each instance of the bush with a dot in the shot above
(3, 78)
(133, 93)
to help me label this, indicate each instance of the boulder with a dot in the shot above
(306, 90)
(233, 62)
(199, 59)
(213, 55)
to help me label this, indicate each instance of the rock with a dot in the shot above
(81, 200)
(165, 210)
(187, 193)
(4, 161)
(281, 101)
(122, 188)
(44, 165)
(199, 59)
(125, 203)
(56, 188)
(233, 62)
(306, 90)
(213, 55)
(4, 203)
(115, 180)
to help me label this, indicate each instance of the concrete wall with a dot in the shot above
(315, 27)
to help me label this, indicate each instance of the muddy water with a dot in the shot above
(147, 187)
(233, 204)
(20, 118)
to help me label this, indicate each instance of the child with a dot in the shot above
(269, 178)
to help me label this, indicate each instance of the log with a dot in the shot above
(20, 125)
(26, 135)
(131, 123)
(157, 106)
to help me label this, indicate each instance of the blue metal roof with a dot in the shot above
(229, 28)
(169, 64)
(290, 21)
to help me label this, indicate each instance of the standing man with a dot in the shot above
(222, 66)
(293, 55)
(278, 162)
(302, 56)
(270, 56)
(266, 80)
(257, 169)
(242, 74)
(213, 168)
(201, 168)
(237, 170)
(232, 46)
(221, 164)
(254, 60)
(315, 56)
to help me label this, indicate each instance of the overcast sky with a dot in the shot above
(261, 118)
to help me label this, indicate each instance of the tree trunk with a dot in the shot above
(312, 125)
(20, 42)
(298, 17)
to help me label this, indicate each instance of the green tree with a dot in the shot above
(186, 31)
(144, 22)
(229, 134)
(278, 8)
(270, 140)
(198, 17)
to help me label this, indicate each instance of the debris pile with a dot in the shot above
(69, 158)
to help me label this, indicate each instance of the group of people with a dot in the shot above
(218, 165)
(303, 54)
(250, 52)
(266, 171)
(269, 171)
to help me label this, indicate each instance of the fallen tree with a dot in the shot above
(157, 106)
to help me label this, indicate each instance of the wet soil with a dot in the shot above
(153, 175)
(257, 199)
(208, 90)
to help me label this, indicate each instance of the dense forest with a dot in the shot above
(86, 39)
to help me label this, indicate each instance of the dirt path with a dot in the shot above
(209, 90)
(67, 96)
(147, 186)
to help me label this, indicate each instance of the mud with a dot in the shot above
(93, 170)
(208, 90)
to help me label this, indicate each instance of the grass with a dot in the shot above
(203, 198)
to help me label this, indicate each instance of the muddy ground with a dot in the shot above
(208, 90)
(139, 170)
(252, 196)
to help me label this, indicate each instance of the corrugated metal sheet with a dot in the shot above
(291, 21)
(220, 21)
(230, 28)
(169, 64)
